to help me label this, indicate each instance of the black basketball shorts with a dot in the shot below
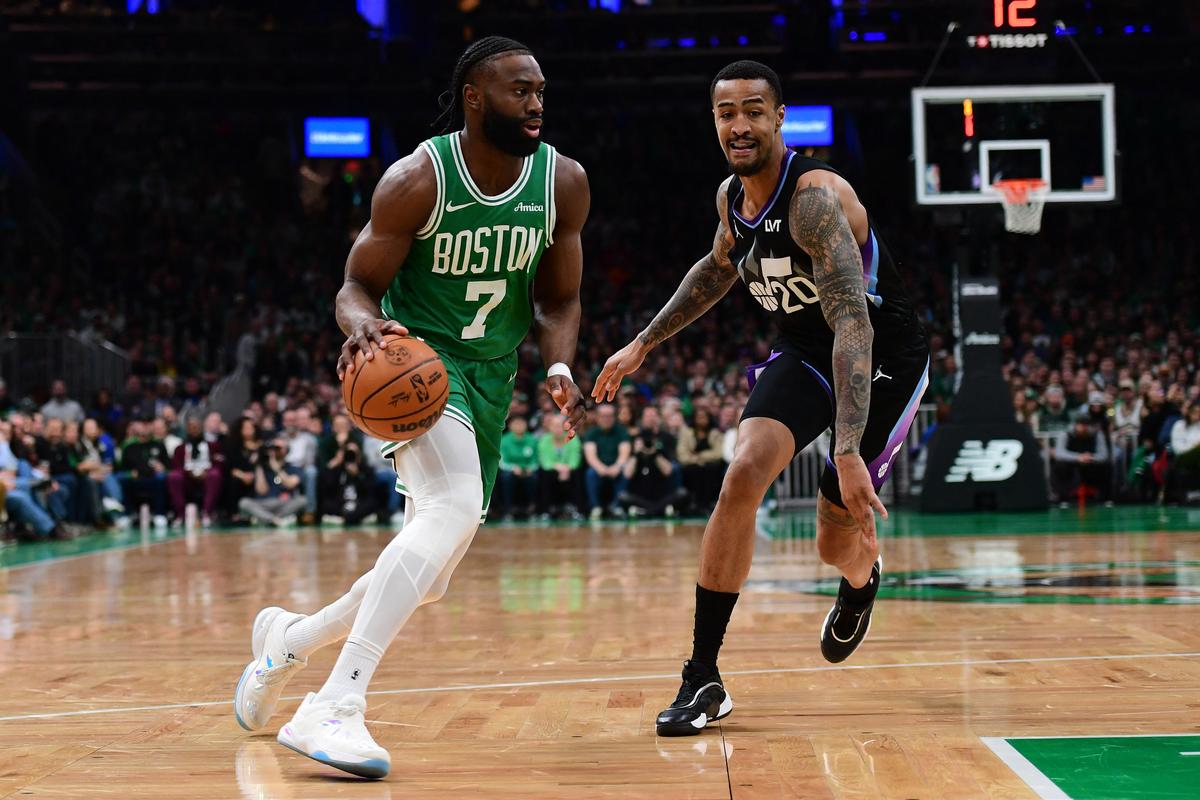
(791, 390)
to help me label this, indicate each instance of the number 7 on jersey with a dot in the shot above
(476, 290)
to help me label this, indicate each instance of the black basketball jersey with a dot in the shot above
(779, 275)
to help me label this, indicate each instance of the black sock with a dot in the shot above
(713, 610)
(862, 597)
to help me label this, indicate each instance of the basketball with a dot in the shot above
(399, 394)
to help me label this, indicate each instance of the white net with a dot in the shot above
(1023, 203)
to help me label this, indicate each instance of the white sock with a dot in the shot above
(329, 625)
(352, 672)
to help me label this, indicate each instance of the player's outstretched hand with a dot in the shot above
(366, 336)
(625, 361)
(569, 399)
(858, 495)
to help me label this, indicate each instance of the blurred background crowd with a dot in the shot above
(194, 236)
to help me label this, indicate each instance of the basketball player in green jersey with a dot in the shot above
(473, 240)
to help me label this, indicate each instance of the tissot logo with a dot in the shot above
(974, 337)
(990, 462)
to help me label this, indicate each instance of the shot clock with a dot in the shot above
(1015, 24)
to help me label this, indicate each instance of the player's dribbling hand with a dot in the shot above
(569, 399)
(625, 361)
(858, 495)
(366, 336)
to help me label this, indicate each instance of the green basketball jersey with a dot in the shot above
(466, 284)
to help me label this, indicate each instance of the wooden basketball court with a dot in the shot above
(540, 673)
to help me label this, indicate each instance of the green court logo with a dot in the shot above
(1147, 582)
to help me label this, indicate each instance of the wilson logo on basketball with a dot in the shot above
(423, 422)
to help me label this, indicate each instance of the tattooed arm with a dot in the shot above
(819, 225)
(705, 283)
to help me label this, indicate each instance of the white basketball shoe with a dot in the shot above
(272, 667)
(335, 733)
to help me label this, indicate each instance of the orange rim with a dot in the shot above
(1017, 190)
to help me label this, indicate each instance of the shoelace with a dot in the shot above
(346, 712)
(272, 675)
(689, 688)
(846, 614)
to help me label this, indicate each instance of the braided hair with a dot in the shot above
(486, 48)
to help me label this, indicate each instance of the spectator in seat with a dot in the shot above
(196, 473)
(559, 458)
(728, 422)
(214, 428)
(160, 430)
(1127, 413)
(651, 489)
(1183, 476)
(1054, 417)
(243, 456)
(61, 407)
(277, 488)
(98, 458)
(143, 474)
(56, 459)
(607, 448)
(1081, 455)
(18, 484)
(518, 468)
(350, 495)
(381, 467)
(331, 452)
(700, 451)
(302, 454)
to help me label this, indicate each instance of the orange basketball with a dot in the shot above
(399, 394)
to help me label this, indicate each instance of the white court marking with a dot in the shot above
(472, 687)
(1045, 788)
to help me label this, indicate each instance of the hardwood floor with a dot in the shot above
(541, 671)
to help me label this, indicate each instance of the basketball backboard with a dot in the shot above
(965, 138)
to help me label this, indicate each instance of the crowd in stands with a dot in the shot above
(295, 458)
(208, 234)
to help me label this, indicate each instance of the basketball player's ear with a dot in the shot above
(472, 97)
(780, 113)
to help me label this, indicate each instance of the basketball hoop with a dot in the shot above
(1023, 202)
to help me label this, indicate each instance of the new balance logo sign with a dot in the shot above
(997, 461)
(523, 206)
(772, 225)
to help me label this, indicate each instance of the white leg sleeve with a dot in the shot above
(441, 470)
(333, 622)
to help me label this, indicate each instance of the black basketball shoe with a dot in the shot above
(847, 624)
(702, 699)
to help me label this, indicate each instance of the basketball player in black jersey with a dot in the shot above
(851, 354)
